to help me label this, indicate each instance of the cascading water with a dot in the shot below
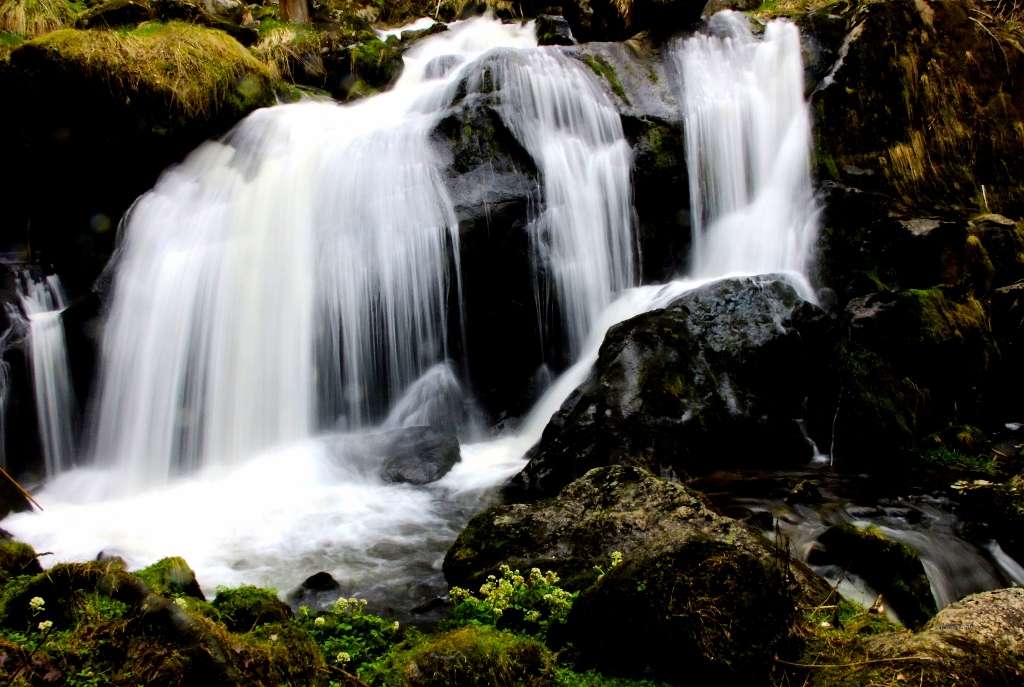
(748, 139)
(42, 301)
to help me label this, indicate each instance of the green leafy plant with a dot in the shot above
(524, 604)
(350, 638)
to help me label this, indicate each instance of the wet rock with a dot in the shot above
(553, 30)
(116, 13)
(889, 567)
(606, 20)
(417, 455)
(494, 186)
(804, 492)
(900, 99)
(315, 591)
(730, 358)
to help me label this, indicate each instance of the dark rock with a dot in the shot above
(494, 186)
(889, 567)
(696, 593)
(730, 358)
(609, 509)
(116, 13)
(804, 492)
(418, 455)
(316, 591)
(429, 606)
(911, 364)
(553, 30)
(603, 20)
(715, 6)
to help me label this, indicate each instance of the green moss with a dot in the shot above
(244, 608)
(602, 68)
(17, 559)
(171, 577)
(473, 656)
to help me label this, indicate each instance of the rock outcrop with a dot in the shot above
(729, 359)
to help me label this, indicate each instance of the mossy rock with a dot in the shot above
(17, 559)
(473, 656)
(173, 72)
(971, 643)
(890, 567)
(909, 114)
(702, 608)
(171, 577)
(245, 608)
(911, 364)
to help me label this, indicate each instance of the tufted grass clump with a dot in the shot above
(31, 18)
(190, 71)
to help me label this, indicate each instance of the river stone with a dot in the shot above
(716, 378)
(418, 455)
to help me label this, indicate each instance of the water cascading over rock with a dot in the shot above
(748, 136)
(302, 272)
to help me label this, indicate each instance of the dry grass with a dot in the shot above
(33, 18)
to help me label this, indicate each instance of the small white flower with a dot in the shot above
(36, 603)
(342, 658)
(395, 626)
(45, 625)
(825, 623)
(272, 638)
(319, 621)
(180, 602)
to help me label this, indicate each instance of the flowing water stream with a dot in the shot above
(287, 289)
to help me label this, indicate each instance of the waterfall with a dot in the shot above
(42, 301)
(583, 241)
(298, 274)
(748, 137)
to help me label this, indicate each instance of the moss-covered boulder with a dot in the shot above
(731, 359)
(911, 364)
(890, 567)
(690, 583)
(472, 656)
(171, 577)
(17, 559)
(244, 608)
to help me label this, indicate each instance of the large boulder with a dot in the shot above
(691, 582)
(418, 455)
(716, 378)
(616, 20)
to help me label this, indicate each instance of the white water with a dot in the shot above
(322, 227)
(748, 137)
(42, 301)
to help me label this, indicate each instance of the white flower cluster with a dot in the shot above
(45, 625)
(351, 606)
(319, 621)
(496, 595)
(36, 603)
(181, 603)
(342, 658)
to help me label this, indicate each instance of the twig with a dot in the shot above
(347, 675)
(858, 663)
(21, 489)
